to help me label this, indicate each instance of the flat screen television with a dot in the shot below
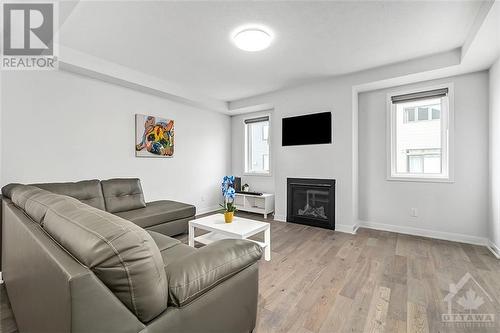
(310, 129)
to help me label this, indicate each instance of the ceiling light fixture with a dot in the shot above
(252, 39)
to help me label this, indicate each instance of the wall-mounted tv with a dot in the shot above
(310, 129)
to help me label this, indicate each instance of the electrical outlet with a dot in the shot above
(414, 212)
(202, 198)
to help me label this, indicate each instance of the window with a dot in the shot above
(419, 135)
(257, 146)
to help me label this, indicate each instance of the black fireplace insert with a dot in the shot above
(311, 202)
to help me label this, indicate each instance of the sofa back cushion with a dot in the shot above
(87, 191)
(35, 201)
(122, 194)
(121, 254)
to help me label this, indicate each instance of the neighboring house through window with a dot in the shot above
(257, 145)
(419, 138)
(425, 112)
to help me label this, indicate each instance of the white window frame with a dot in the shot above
(447, 138)
(247, 149)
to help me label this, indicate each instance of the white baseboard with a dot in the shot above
(338, 227)
(281, 218)
(494, 249)
(348, 229)
(449, 236)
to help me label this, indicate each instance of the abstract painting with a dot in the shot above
(154, 136)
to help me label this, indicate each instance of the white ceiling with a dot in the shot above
(188, 42)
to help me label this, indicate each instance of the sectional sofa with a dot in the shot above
(124, 197)
(88, 261)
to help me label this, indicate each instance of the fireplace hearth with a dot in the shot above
(311, 202)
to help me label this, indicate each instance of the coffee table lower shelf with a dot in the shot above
(215, 236)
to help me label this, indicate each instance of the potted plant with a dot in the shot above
(228, 192)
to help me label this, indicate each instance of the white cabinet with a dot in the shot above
(261, 204)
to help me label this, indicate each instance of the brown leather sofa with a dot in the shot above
(71, 267)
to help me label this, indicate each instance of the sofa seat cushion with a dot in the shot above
(158, 212)
(194, 274)
(176, 253)
(163, 242)
(122, 194)
(171, 249)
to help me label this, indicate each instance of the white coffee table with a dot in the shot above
(240, 228)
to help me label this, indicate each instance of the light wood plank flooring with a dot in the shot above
(324, 281)
(7, 322)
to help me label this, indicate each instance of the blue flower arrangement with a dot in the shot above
(228, 193)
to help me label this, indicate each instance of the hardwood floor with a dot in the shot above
(324, 281)
(7, 321)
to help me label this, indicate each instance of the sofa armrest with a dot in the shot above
(202, 270)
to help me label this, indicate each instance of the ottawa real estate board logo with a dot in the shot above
(29, 36)
(469, 305)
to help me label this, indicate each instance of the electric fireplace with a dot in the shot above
(311, 202)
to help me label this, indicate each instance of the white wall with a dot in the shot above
(339, 159)
(59, 126)
(494, 170)
(454, 208)
(315, 161)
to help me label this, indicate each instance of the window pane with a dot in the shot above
(410, 114)
(266, 161)
(432, 164)
(436, 113)
(258, 147)
(423, 113)
(415, 164)
(418, 144)
(265, 132)
(424, 160)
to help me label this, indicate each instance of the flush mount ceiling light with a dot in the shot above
(252, 39)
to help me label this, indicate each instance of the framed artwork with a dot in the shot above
(154, 136)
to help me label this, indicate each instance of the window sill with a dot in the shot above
(258, 174)
(421, 179)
